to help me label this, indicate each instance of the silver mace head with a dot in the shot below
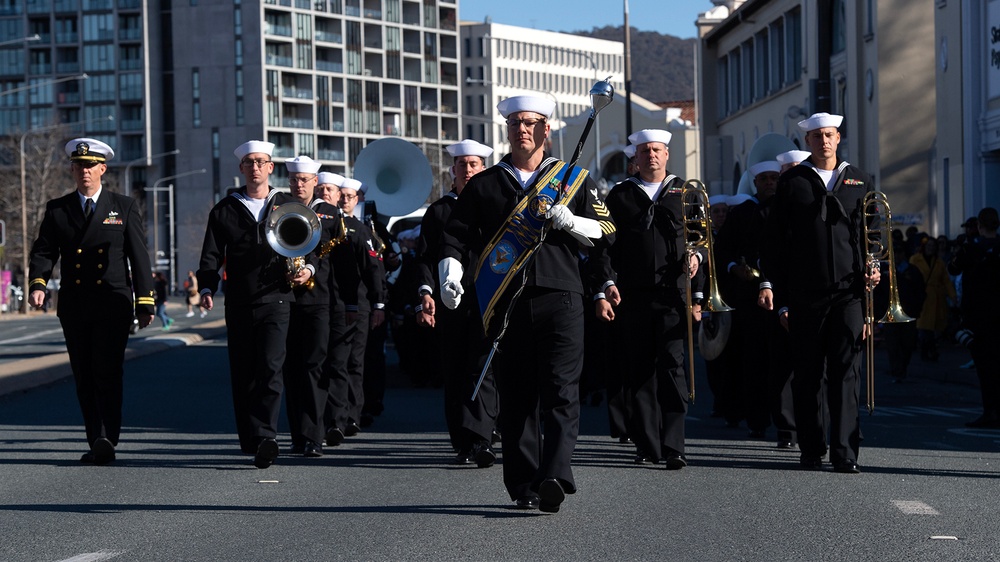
(601, 95)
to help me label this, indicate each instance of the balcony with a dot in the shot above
(278, 60)
(279, 30)
(129, 34)
(297, 123)
(296, 93)
(329, 66)
(129, 4)
(67, 67)
(330, 154)
(40, 68)
(283, 152)
(92, 5)
(130, 124)
(329, 37)
(68, 97)
(67, 37)
(129, 64)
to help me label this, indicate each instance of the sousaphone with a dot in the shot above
(398, 175)
(767, 147)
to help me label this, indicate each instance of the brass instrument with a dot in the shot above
(697, 235)
(293, 230)
(328, 247)
(878, 247)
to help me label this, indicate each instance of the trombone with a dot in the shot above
(878, 247)
(697, 221)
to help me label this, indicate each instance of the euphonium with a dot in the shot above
(293, 230)
(697, 221)
(878, 247)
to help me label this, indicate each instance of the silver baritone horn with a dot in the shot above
(293, 230)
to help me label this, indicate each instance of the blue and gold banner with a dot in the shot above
(512, 247)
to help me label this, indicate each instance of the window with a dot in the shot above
(130, 86)
(195, 98)
(100, 27)
(99, 87)
(762, 81)
(839, 34)
(777, 48)
(97, 58)
(793, 42)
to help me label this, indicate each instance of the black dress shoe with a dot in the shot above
(846, 467)
(811, 463)
(642, 458)
(527, 502)
(297, 449)
(352, 429)
(785, 445)
(484, 455)
(625, 440)
(495, 437)
(312, 449)
(267, 451)
(676, 462)
(550, 495)
(464, 456)
(87, 458)
(334, 436)
(367, 420)
(103, 450)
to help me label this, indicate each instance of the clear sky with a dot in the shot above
(670, 17)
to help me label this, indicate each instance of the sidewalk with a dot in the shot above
(37, 371)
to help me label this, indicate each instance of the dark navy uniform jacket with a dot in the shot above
(104, 260)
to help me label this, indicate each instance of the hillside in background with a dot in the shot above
(662, 65)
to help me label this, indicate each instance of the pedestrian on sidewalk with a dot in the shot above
(191, 295)
(160, 286)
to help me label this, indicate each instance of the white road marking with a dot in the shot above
(943, 538)
(31, 336)
(93, 556)
(912, 507)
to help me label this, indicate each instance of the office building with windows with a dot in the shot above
(321, 78)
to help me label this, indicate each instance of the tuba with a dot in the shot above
(878, 247)
(293, 230)
(767, 147)
(697, 221)
(397, 174)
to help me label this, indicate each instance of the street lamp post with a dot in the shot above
(156, 220)
(83, 76)
(24, 198)
(148, 160)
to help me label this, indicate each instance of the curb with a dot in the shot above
(37, 371)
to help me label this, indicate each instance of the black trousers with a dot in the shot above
(96, 344)
(257, 335)
(538, 370)
(335, 371)
(985, 350)
(462, 347)
(779, 379)
(751, 343)
(305, 389)
(826, 346)
(374, 368)
(650, 329)
(358, 336)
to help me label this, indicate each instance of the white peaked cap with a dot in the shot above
(535, 104)
(739, 198)
(765, 166)
(253, 147)
(302, 165)
(820, 121)
(86, 149)
(330, 178)
(629, 151)
(792, 156)
(650, 135)
(718, 199)
(469, 147)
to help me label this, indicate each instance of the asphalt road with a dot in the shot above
(181, 490)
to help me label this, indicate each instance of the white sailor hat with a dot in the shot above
(820, 120)
(254, 147)
(629, 151)
(86, 149)
(792, 156)
(738, 199)
(302, 165)
(351, 183)
(719, 199)
(535, 104)
(330, 178)
(650, 135)
(469, 147)
(765, 166)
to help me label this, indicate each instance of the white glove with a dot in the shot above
(450, 273)
(582, 228)
(561, 216)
